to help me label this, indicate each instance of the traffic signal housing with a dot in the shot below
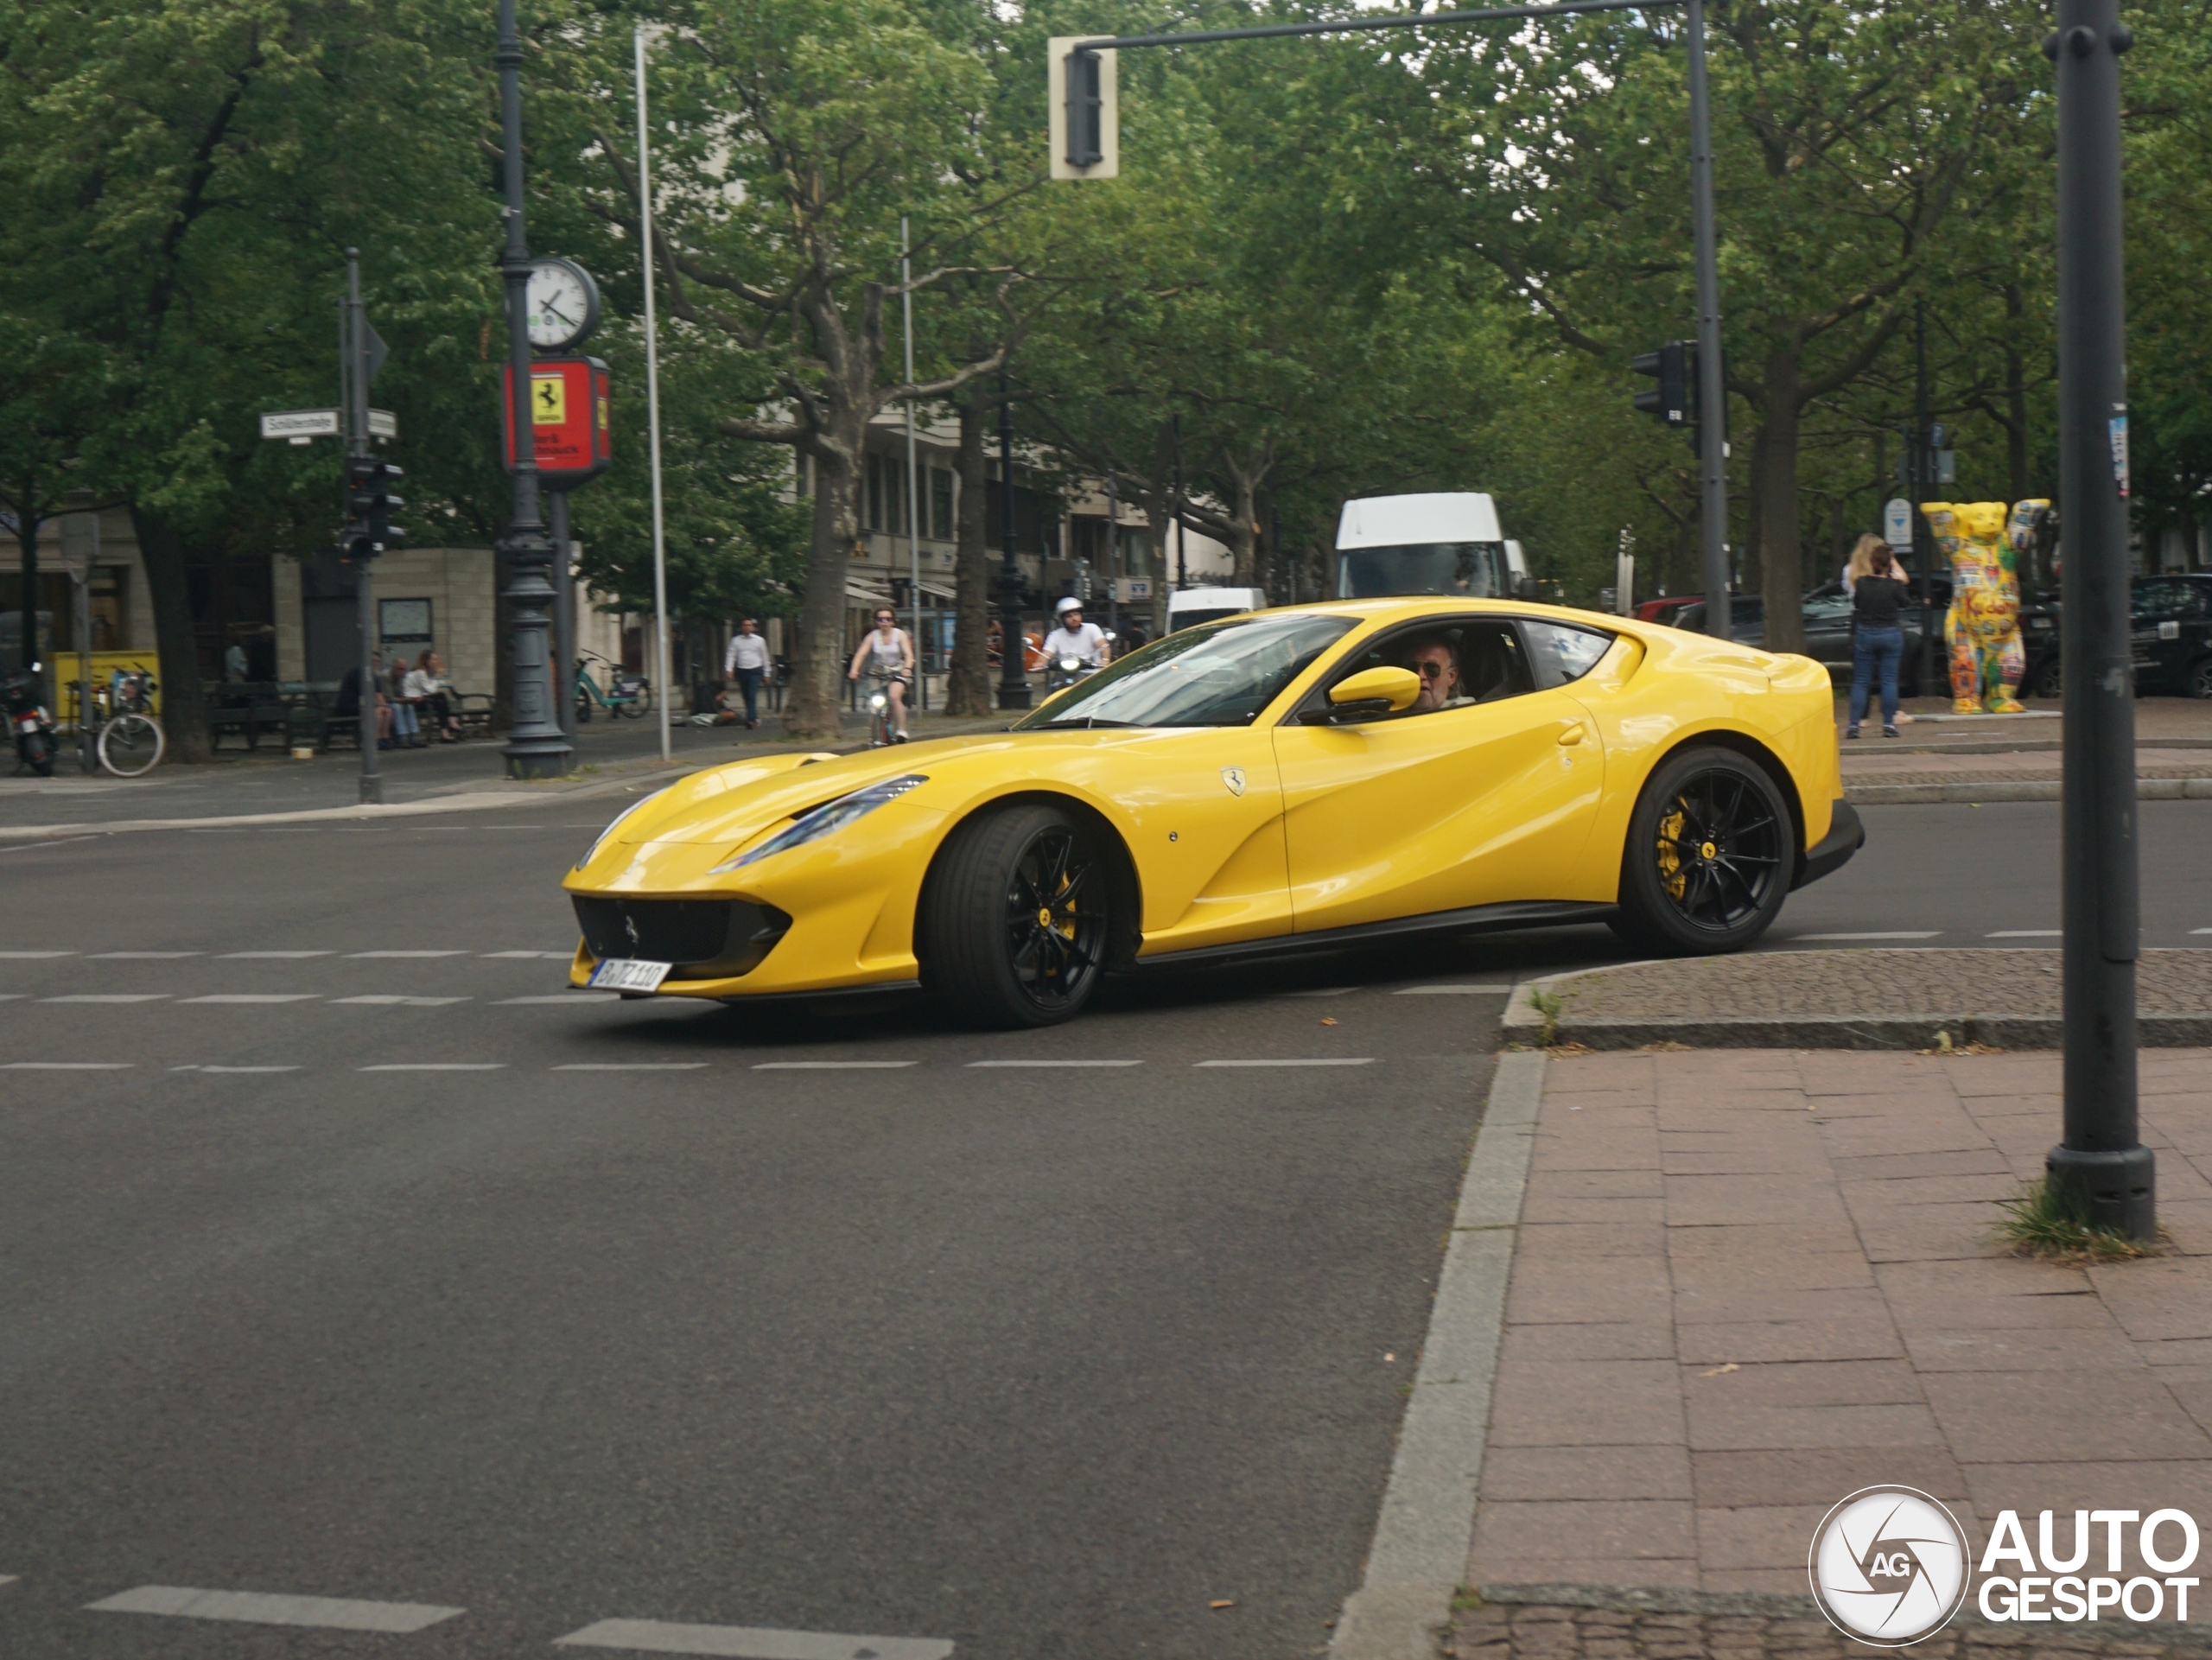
(1085, 122)
(369, 502)
(1673, 400)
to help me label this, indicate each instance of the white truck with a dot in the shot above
(1189, 606)
(1442, 543)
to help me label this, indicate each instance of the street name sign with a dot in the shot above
(300, 425)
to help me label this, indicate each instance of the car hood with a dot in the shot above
(732, 804)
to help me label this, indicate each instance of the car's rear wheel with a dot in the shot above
(1017, 915)
(1711, 850)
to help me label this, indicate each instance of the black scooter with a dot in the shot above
(32, 727)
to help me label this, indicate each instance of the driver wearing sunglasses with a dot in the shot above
(1439, 677)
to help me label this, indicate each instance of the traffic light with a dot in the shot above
(1673, 400)
(1084, 122)
(369, 502)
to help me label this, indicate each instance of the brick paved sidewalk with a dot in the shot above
(1745, 1283)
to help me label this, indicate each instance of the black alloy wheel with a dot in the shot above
(1711, 851)
(2200, 677)
(1017, 915)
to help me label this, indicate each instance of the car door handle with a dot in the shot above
(1572, 734)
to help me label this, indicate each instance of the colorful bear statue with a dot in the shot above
(1982, 628)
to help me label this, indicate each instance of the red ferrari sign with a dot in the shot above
(568, 419)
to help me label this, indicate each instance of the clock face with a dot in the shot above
(564, 304)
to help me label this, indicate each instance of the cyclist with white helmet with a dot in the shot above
(1075, 638)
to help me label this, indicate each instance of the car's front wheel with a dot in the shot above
(2200, 677)
(1016, 917)
(1711, 850)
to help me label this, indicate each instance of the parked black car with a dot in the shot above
(2172, 634)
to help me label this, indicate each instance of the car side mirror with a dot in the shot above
(1524, 588)
(1372, 692)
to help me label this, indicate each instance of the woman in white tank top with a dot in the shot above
(889, 653)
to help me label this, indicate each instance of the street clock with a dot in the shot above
(564, 304)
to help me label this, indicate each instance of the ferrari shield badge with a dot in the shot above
(1234, 778)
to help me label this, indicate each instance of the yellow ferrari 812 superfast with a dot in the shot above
(1321, 776)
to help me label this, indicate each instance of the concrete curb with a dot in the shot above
(1426, 1527)
(2146, 789)
(1524, 1023)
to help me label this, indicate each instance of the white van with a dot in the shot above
(1443, 543)
(1189, 606)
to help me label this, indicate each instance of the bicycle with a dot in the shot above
(130, 741)
(629, 695)
(879, 732)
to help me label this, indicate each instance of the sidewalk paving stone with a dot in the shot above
(1834, 1315)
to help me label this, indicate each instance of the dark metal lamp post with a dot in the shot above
(536, 747)
(2102, 1171)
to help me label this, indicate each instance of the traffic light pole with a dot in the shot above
(1084, 129)
(1712, 386)
(356, 390)
(535, 747)
(2100, 1170)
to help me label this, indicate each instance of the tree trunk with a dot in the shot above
(2016, 402)
(817, 653)
(968, 688)
(184, 705)
(1781, 557)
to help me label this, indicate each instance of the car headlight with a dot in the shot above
(826, 819)
(592, 852)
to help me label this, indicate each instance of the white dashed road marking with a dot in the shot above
(398, 1000)
(249, 1069)
(255, 997)
(1055, 1063)
(1364, 1061)
(632, 1066)
(748, 1642)
(25, 957)
(1927, 933)
(259, 1608)
(236, 956)
(557, 957)
(1446, 991)
(828, 1065)
(109, 997)
(410, 954)
(66, 1065)
(2027, 933)
(561, 997)
(141, 957)
(436, 1067)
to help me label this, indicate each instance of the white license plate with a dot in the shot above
(629, 974)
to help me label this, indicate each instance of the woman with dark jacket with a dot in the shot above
(1878, 598)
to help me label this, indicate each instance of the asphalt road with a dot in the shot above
(598, 1311)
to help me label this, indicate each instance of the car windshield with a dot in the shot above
(1221, 674)
(1467, 570)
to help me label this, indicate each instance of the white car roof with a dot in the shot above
(1217, 599)
(1393, 521)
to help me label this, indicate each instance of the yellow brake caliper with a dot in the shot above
(1672, 876)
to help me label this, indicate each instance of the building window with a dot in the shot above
(941, 525)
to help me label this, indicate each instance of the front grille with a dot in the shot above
(706, 939)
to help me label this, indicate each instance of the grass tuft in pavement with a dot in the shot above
(2037, 1225)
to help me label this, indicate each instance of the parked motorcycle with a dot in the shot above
(28, 721)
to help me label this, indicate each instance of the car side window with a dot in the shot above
(1462, 661)
(1564, 652)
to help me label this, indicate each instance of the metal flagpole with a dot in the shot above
(913, 501)
(1712, 387)
(652, 396)
(356, 421)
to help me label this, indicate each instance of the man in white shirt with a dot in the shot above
(1076, 637)
(747, 661)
